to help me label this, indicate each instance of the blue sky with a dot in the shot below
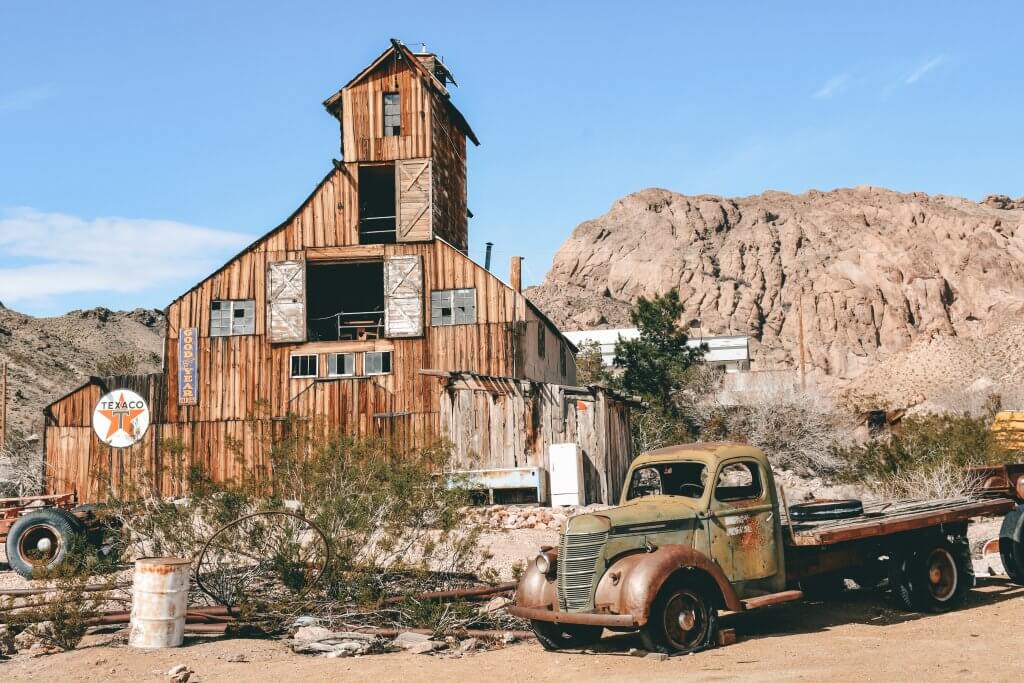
(142, 143)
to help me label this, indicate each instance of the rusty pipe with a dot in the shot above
(456, 594)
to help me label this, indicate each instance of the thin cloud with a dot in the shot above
(919, 73)
(46, 255)
(21, 100)
(833, 86)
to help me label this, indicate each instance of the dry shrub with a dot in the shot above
(60, 617)
(928, 454)
(944, 480)
(21, 467)
(798, 430)
(392, 523)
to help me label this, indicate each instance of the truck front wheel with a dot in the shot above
(682, 621)
(560, 636)
(936, 579)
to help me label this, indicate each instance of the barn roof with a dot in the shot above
(333, 103)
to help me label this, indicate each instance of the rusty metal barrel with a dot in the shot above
(159, 602)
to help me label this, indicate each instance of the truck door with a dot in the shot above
(741, 522)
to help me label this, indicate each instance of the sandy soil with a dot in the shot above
(861, 637)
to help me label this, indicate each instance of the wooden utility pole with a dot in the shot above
(803, 358)
(3, 404)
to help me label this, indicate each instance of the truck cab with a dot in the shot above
(698, 529)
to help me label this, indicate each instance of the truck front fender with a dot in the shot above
(632, 582)
(536, 589)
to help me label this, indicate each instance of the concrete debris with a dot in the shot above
(469, 644)
(508, 638)
(527, 516)
(180, 674)
(499, 602)
(427, 647)
(408, 640)
(637, 652)
(317, 640)
(657, 656)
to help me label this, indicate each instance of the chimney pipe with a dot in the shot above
(487, 258)
(515, 273)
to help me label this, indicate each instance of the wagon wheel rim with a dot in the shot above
(40, 544)
(943, 575)
(244, 557)
(685, 619)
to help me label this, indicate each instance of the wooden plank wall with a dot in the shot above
(451, 222)
(362, 127)
(515, 427)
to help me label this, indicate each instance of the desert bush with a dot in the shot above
(60, 617)
(392, 523)
(21, 466)
(117, 364)
(797, 430)
(590, 365)
(927, 454)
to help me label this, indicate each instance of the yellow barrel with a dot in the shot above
(159, 601)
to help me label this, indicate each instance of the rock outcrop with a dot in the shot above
(47, 357)
(872, 271)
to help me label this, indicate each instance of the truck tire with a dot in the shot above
(560, 636)
(682, 620)
(1011, 544)
(39, 541)
(935, 578)
(823, 510)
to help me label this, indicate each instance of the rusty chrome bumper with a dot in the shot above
(584, 618)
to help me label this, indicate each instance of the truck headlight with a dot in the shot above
(543, 562)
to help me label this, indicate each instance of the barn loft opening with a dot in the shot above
(345, 301)
(377, 204)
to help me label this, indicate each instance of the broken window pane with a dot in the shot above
(392, 114)
(453, 307)
(230, 317)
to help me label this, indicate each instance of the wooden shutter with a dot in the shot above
(413, 195)
(403, 296)
(286, 301)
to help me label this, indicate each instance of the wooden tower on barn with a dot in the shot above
(361, 310)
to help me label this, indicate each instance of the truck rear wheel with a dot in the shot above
(682, 621)
(560, 636)
(936, 578)
(1011, 545)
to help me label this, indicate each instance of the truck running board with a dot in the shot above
(772, 599)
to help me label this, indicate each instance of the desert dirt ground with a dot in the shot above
(860, 636)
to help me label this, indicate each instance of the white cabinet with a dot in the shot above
(566, 474)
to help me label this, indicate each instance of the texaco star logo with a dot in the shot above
(120, 418)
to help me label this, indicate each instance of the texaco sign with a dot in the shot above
(120, 418)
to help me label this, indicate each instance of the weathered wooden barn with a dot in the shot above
(358, 309)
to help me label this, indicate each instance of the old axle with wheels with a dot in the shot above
(700, 530)
(40, 531)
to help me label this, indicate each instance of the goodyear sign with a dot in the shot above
(188, 367)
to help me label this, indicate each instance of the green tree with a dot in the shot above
(654, 364)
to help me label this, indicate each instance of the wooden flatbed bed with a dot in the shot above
(887, 518)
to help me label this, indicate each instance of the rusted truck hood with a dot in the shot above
(651, 514)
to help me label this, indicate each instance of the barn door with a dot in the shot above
(403, 296)
(286, 301)
(413, 200)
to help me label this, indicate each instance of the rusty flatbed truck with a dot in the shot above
(700, 529)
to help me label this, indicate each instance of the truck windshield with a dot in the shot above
(686, 479)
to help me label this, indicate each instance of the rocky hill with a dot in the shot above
(878, 276)
(47, 357)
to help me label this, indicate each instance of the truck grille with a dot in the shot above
(577, 560)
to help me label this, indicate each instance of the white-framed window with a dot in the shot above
(377, 363)
(452, 307)
(229, 317)
(392, 114)
(341, 364)
(304, 365)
